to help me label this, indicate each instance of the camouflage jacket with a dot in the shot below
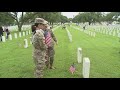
(38, 41)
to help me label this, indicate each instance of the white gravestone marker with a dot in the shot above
(114, 33)
(26, 32)
(19, 34)
(23, 33)
(79, 55)
(15, 34)
(86, 67)
(29, 31)
(3, 38)
(10, 37)
(110, 33)
(119, 35)
(69, 35)
(106, 32)
(25, 43)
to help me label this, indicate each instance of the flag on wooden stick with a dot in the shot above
(47, 38)
(72, 68)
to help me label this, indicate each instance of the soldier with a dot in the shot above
(84, 27)
(50, 49)
(40, 47)
(64, 27)
(1, 33)
(33, 28)
(7, 33)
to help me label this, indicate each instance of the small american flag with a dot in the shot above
(47, 38)
(72, 68)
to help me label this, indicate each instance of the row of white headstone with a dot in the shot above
(91, 33)
(113, 33)
(15, 35)
(26, 42)
(107, 30)
(76, 28)
(104, 30)
(86, 63)
(69, 35)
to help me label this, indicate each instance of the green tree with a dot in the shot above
(90, 17)
(5, 19)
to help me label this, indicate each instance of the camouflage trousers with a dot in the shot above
(50, 56)
(39, 66)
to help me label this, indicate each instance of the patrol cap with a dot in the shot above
(40, 20)
(46, 24)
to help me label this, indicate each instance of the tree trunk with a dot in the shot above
(19, 28)
(89, 23)
(20, 23)
(52, 24)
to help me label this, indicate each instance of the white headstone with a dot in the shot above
(3, 38)
(110, 33)
(103, 31)
(23, 33)
(86, 67)
(10, 37)
(29, 31)
(19, 34)
(119, 35)
(26, 32)
(113, 33)
(25, 43)
(79, 55)
(69, 35)
(106, 32)
(30, 40)
(15, 34)
(117, 31)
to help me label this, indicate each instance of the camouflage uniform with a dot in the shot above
(39, 53)
(50, 50)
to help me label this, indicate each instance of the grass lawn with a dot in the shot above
(102, 50)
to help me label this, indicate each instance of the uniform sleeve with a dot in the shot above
(41, 40)
(53, 36)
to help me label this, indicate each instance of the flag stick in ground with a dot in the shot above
(72, 68)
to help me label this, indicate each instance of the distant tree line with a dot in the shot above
(13, 18)
(96, 17)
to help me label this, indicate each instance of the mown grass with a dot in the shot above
(102, 50)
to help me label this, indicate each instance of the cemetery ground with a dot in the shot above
(102, 50)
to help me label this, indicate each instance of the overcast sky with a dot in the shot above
(70, 14)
